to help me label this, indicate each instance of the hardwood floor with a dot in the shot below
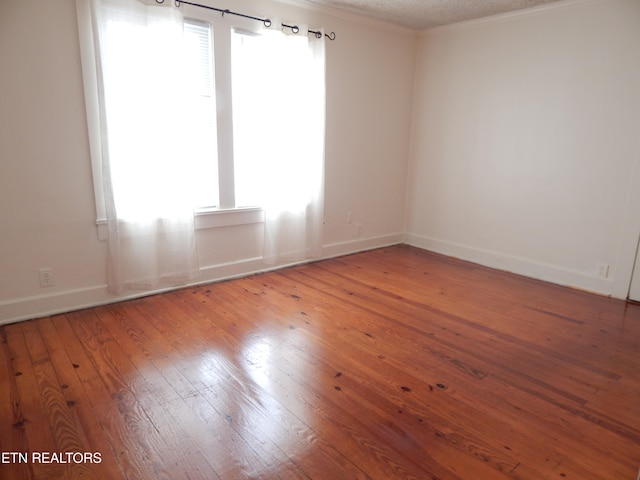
(390, 364)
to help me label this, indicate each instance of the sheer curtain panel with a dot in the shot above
(279, 136)
(132, 67)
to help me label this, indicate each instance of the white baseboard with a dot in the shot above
(521, 266)
(360, 245)
(36, 306)
(42, 305)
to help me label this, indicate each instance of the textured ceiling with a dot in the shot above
(422, 14)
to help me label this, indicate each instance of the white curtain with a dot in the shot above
(138, 127)
(279, 118)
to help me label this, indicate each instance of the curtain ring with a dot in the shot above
(225, 11)
(266, 22)
(177, 3)
(295, 29)
(160, 1)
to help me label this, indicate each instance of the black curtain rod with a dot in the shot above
(265, 21)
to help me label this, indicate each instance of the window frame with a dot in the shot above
(222, 29)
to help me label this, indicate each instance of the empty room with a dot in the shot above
(320, 239)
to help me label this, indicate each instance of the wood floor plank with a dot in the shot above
(102, 406)
(568, 376)
(150, 397)
(134, 439)
(169, 383)
(32, 417)
(376, 450)
(68, 433)
(394, 389)
(390, 364)
(221, 435)
(11, 415)
(332, 463)
(235, 452)
(475, 365)
(79, 402)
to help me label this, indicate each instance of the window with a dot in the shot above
(257, 89)
(235, 181)
(203, 145)
(247, 64)
(270, 127)
(238, 139)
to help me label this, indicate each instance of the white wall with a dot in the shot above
(525, 140)
(47, 210)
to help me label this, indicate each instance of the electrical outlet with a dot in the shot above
(602, 270)
(358, 229)
(349, 217)
(46, 277)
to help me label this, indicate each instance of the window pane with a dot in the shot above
(247, 62)
(201, 136)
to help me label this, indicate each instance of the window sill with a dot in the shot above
(214, 218)
(209, 218)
